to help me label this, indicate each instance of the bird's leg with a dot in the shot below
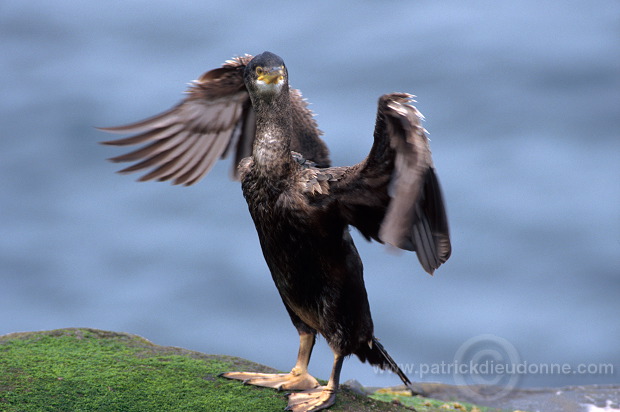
(297, 379)
(319, 398)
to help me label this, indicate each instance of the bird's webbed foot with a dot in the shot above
(311, 400)
(294, 380)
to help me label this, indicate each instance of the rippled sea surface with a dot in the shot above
(522, 101)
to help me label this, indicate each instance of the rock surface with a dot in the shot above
(93, 370)
(593, 398)
(89, 369)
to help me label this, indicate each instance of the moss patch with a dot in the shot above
(421, 404)
(93, 370)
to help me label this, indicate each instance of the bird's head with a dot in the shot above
(266, 75)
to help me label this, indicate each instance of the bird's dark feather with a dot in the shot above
(393, 195)
(216, 119)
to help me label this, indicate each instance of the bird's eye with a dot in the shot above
(259, 70)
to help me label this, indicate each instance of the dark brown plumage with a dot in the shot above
(215, 120)
(302, 209)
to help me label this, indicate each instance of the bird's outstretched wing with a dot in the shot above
(393, 195)
(214, 120)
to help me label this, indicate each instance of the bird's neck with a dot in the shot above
(272, 145)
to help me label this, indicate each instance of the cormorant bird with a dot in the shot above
(301, 207)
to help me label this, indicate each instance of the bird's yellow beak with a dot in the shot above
(271, 76)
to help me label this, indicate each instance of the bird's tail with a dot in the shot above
(376, 355)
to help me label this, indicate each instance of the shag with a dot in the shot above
(302, 208)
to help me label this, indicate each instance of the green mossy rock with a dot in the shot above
(93, 370)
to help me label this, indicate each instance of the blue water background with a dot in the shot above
(522, 101)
